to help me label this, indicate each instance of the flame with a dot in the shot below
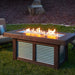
(51, 31)
(40, 33)
(52, 37)
(38, 30)
(28, 30)
(28, 34)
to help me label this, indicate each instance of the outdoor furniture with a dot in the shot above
(2, 30)
(40, 50)
(36, 8)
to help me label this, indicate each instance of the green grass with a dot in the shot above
(8, 66)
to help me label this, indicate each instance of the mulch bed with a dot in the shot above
(57, 12)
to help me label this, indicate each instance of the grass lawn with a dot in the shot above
(8, 66)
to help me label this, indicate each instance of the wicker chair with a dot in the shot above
(2, 38)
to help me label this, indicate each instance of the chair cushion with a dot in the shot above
(2, 30)
(4, 39)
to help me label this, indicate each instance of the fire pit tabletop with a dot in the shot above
(59, 41)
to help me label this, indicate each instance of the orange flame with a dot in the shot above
(28, 30)
(40, 33)
(51, 31)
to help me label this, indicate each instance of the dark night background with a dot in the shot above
(57, 12)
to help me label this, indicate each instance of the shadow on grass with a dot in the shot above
(6, 47)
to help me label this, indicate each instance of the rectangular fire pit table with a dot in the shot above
(50, 52)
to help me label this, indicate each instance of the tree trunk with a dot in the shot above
(36, 8)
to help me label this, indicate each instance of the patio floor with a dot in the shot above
(57, 12)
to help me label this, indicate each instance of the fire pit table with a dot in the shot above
(39, 47)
